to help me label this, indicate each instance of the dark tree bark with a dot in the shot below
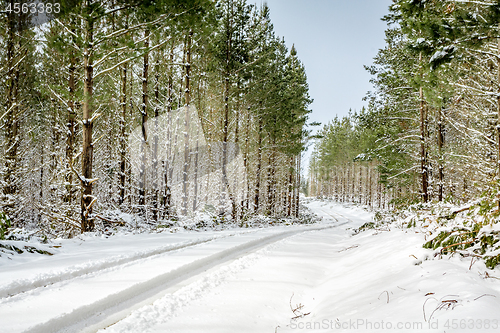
(87, 199)
(440, 144)
(144, 120)
(259, 167)
(187, 97)
(154, 170)
(423, 152)
(71, 124)
(123, 135)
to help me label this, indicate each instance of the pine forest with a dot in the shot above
(155, 109)
(429, 140)
(249, 166)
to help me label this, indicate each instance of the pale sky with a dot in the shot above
(334, 39)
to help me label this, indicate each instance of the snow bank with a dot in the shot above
(377, 280)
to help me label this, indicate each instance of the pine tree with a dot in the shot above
(108, 67)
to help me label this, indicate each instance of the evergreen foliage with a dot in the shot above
(431, 131)
(76, 86)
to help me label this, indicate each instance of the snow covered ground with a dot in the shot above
(316, 278)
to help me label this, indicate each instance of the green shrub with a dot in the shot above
(491, 262)
(5, 224)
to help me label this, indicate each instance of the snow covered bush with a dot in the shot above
(469, 230)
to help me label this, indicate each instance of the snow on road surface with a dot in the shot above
(317, 278)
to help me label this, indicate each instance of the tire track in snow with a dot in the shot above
(43, 280)
(348, 219)
(115, 307)
(325, 212)
(329, 213)
(167, 306)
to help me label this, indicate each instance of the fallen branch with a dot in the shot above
(483, 296)
(461, 243)
(110, 221)
(488, 276)
(59, 218)
(443, 304)
(453, 213)
(423, 306)
(297, 311)
(385, 291)
(348, 248)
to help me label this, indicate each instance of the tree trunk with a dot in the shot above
(237, 205)
(154, 170)
(123, 134)
(270, 209)
(131, 108)
(187, 96)
(440, 143)
(245, 158)
(259, 166)
(166, 165)
(227, 84)
(498, 110)
(289, 195)
(353, 189)
(71, 121)
(123, 130)
(360, 185)
(423, 153)
(12, 119)
(144, 119)
(370, 185)
(297, 194)
(195, 175)
(87, 145)
(379, 195)
(196, 152)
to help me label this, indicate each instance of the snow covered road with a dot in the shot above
(250, 281)
(93, 284)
